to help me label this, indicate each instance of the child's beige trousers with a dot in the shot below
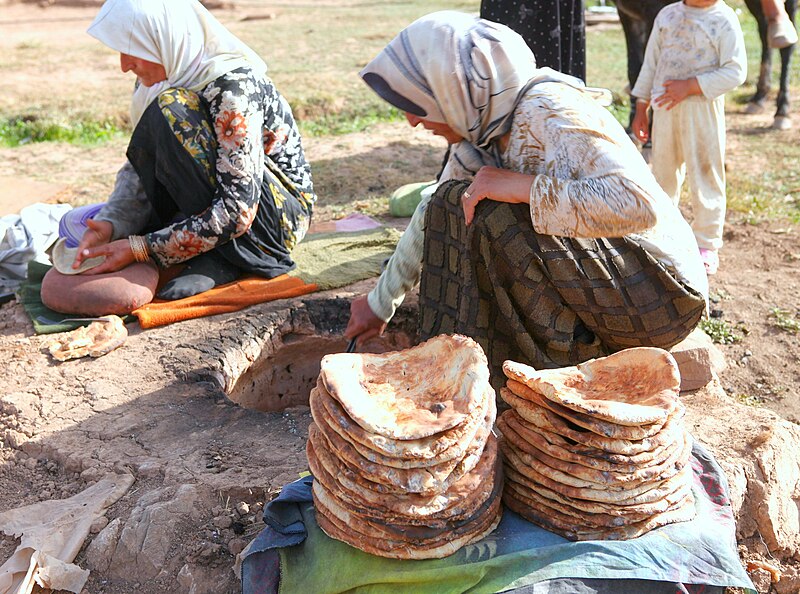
(689, 142)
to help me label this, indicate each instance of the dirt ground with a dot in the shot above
(203, 466)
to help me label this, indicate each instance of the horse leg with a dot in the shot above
(782, 120)
(635, 39)
(757, 103)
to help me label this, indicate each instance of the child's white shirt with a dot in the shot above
(687, 42)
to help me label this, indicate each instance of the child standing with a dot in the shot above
(694, 56)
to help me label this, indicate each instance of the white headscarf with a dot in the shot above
(469, 73)
(181, 35)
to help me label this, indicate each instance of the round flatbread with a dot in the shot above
(596, 519)
(645, 492)
(363, 537)
(413, 393)
(530, 397)
(410, 480)
(63, 256)
(532, 400)
(668, 501)
(636, 386)
(571, 529)
(526, 435)
(548, 421)
(462, 498)
(411, 453)
(559, 469)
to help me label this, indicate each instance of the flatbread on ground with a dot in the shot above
(526, 397)
(413, 393)
(462, 498)
(568, 528)
(94, 340)
(636, 386)
(413, 453)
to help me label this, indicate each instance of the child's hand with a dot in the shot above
(676, 91)
(641, 123)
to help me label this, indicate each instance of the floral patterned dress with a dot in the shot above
(222, 169)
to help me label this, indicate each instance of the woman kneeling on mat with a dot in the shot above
(216, 176)
(548, 240)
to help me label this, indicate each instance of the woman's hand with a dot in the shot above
(363, 323)
(98, 233)
(118, 255)
(497, 184)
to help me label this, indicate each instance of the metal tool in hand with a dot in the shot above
(351, 346)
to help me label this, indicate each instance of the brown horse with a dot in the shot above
(637, 17)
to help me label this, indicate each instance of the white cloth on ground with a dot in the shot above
(24, 237)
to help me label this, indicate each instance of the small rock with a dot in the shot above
(242, 508)
(98, 525)
(222, 522)
(762, 580)
(236, 546)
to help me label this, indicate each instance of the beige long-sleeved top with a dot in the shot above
(687, 42)
(589, 181)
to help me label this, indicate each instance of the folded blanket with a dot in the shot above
(695, 556)
(324, 261)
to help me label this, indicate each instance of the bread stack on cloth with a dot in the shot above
(597, 451)
(404, 460)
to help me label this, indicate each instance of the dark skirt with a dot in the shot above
(173, 150)
(542, 300)
(553, 29)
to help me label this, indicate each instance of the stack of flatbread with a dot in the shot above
(597, 451)
(404, 460)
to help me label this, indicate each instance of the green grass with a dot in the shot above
(16, 132)
(337, 124)
(749, 400)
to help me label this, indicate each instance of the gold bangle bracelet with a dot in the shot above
(139, 248)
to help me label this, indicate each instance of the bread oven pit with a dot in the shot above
(285, 369)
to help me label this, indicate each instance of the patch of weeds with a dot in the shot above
(749, 400)
(719, 295)
(720, 331)
(24, 130)
(784, 320)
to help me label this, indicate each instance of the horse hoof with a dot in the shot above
(781, 123)
(754, 108)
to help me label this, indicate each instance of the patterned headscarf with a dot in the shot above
(469, 73)
(181, 35)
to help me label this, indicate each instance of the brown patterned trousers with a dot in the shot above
(543, 300)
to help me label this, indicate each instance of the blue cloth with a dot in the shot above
(696, 556)
(73, 224)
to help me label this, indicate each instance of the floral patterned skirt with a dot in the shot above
(173, 150)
